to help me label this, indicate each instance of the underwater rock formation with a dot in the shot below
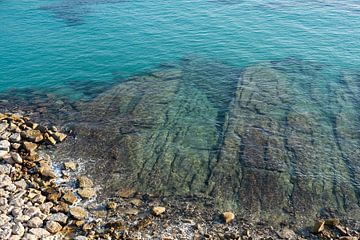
(274, 141)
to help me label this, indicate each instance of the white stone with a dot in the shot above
(15, 137)
(4, 145)
(18, 229)
(35, 222)
(16, 157)
(5, 181)
(39, 232)
(32, 211)
(4, 219)
(58, 217)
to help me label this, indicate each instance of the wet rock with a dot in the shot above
(126, 192)
(58, 217)
(69, 197)
(319, 226)
(228, 217)
(78, 213)
(332, 221)
(53, 227)
(33, 135)
(85, 182)
(70, 166)
(59, 136)
(30, 147)
(86, 193)
(157, 211)
(111, 205)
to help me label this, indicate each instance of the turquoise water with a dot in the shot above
(255, 103)
(61, 42)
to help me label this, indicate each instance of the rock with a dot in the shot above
(5, 234)
(15, 137)
(5, 181)
(29, 146)
(50, 140)
(4, 145)
(70, 166)
(16, 146)
(4, 219)
(318, 226)
(21, 184)
(287, 233)
(132, 211)
(32, 211)
(16, 157)
(332, 221)
(87, 193)
(348, 238)
(31, 125)
(46, 207)
(33, 135)
(85, 182)
(80, 238)
(3, 153)
(111, 205)
(58, 217)
(3, 127)
(15, 237)
(69, 197)
(157, 211)
(341, 229)
(35, 222)
(18, 229)
(78, 213)
(59, 136)
(46, 171)
(53, 227)
(126, 192)
(136, 202)
(39, 232)
(228, 217)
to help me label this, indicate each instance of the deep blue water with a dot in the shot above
(58, 43)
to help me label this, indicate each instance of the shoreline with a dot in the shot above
(57, 202)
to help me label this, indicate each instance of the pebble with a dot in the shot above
(39, 232)
(4, 145)
(157, 211)
(78, 213)
(69, 197)
(228, 217)
(85, 182)
(30, 147)
(87, 193)
(58, 217)
(16, 157)
(18, 229)
(70, 166)
(319, 226)
(53, 227)
(35, 222)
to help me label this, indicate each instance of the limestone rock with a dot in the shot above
(87, 193)
(58, 217)
(157, 211)
(16, 157)
(319, 226)
(29, 146)
(69, 197)
(85, 182)
(33, 135)
(78, 213)
(4, 145)
(18, 229)
(228, 217)
(35, 222)
(59, 136)
(70, 166)
(39, 232)
(53, 227)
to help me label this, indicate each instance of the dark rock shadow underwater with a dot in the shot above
(275, 141)
(72, 12)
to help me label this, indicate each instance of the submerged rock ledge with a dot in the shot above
(277, 141)
(44, 200)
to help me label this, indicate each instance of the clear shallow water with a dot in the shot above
(254, 102)
(55, 43)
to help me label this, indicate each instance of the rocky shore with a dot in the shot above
(45, 199)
